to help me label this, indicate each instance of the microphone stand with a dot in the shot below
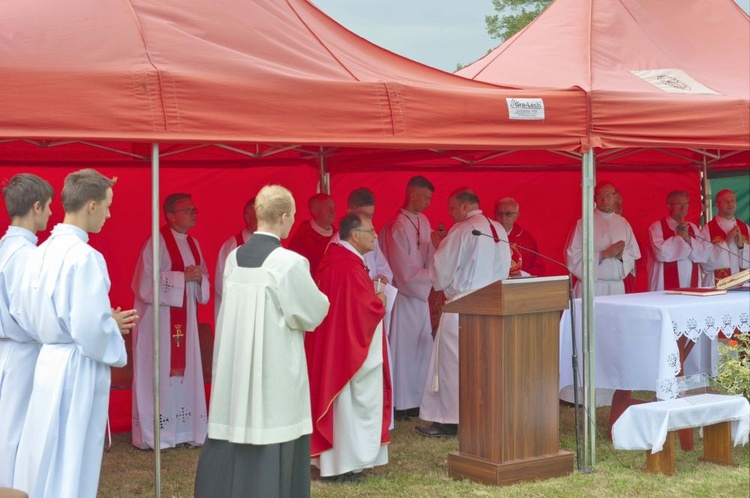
(574, 359)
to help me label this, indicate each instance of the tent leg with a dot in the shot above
(587, 304)
(155, 209)
(324, 184)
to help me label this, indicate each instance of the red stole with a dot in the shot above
(671, 275)
(178, 316)
(718, 236)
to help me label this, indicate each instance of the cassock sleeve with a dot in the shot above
(413, 280)
(303, 305)
(381, 264)
(537, 267)
(574, 253)
(172, 288)
(221, 259)
(701, 249)
(204, 293)
(91, 325)
(672, 248)
(444, 264)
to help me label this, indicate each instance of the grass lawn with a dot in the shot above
(419, 468)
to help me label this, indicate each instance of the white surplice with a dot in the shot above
(610, 272)
(261, 391)
(227, 247)
(666, 248)
(410, 331)
(462, 264)
(64, 299)
(18, 350)
(183, 417)
(724, 255)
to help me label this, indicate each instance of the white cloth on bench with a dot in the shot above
(645, 426)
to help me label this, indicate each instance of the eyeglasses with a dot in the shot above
(371, 230)
(681, 204)
(187, 211)
(506, 213)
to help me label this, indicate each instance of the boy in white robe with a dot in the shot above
(407, 244)
(64, 300)
(259, 428)
(28, 199)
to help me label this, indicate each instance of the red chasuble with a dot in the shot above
(524, 260)
(309, 244)
(338, 347)
(178, 316)
(718, 236)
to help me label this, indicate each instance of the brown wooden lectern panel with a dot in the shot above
(508, 382)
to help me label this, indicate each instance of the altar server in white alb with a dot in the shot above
(259, 429)
(183, 277)
(64, 299)
(232, 243)
(730, 239)
(675, 248)
(406, 243)
(28, 199)
(463, 263)
(615, 247)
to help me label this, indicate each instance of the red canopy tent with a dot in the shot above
(666, 82)
(242, 93)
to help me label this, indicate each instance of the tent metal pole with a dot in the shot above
(155, 284)
(706, 193)
(587, 304)
(324, 185)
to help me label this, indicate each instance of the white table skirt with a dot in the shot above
(645, 426)
(636, 336)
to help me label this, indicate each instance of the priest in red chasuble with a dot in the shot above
(523, 263)
(183, 277)
(675, 250)
(312, 237)
(350, 386)
(730, 238)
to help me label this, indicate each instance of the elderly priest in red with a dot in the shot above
(350, 386)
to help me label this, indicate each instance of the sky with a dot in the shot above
(439, 33)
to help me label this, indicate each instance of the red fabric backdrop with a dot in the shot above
(550, 205)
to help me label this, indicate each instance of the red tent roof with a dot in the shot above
(598, 44)
(232, 71)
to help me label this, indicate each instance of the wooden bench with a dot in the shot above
(650, 426)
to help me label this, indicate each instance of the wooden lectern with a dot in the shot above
(508, 382)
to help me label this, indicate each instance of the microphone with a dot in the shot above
(478, 233)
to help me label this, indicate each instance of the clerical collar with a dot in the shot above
(725, 223)
(352, 249)
(603, 214)
(322, 231)
(179, 235)
(473, 213)
(261, 232)
(67, 228)
(14, 231)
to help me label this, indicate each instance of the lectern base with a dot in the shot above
(464, 466)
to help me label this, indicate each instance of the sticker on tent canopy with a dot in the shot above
(673, 81)
(527, 109)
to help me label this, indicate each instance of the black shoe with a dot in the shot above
(437, 430)
(348, 477)
(401, 415)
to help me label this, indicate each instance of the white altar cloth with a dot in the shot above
(645, 426)
(636, 336)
